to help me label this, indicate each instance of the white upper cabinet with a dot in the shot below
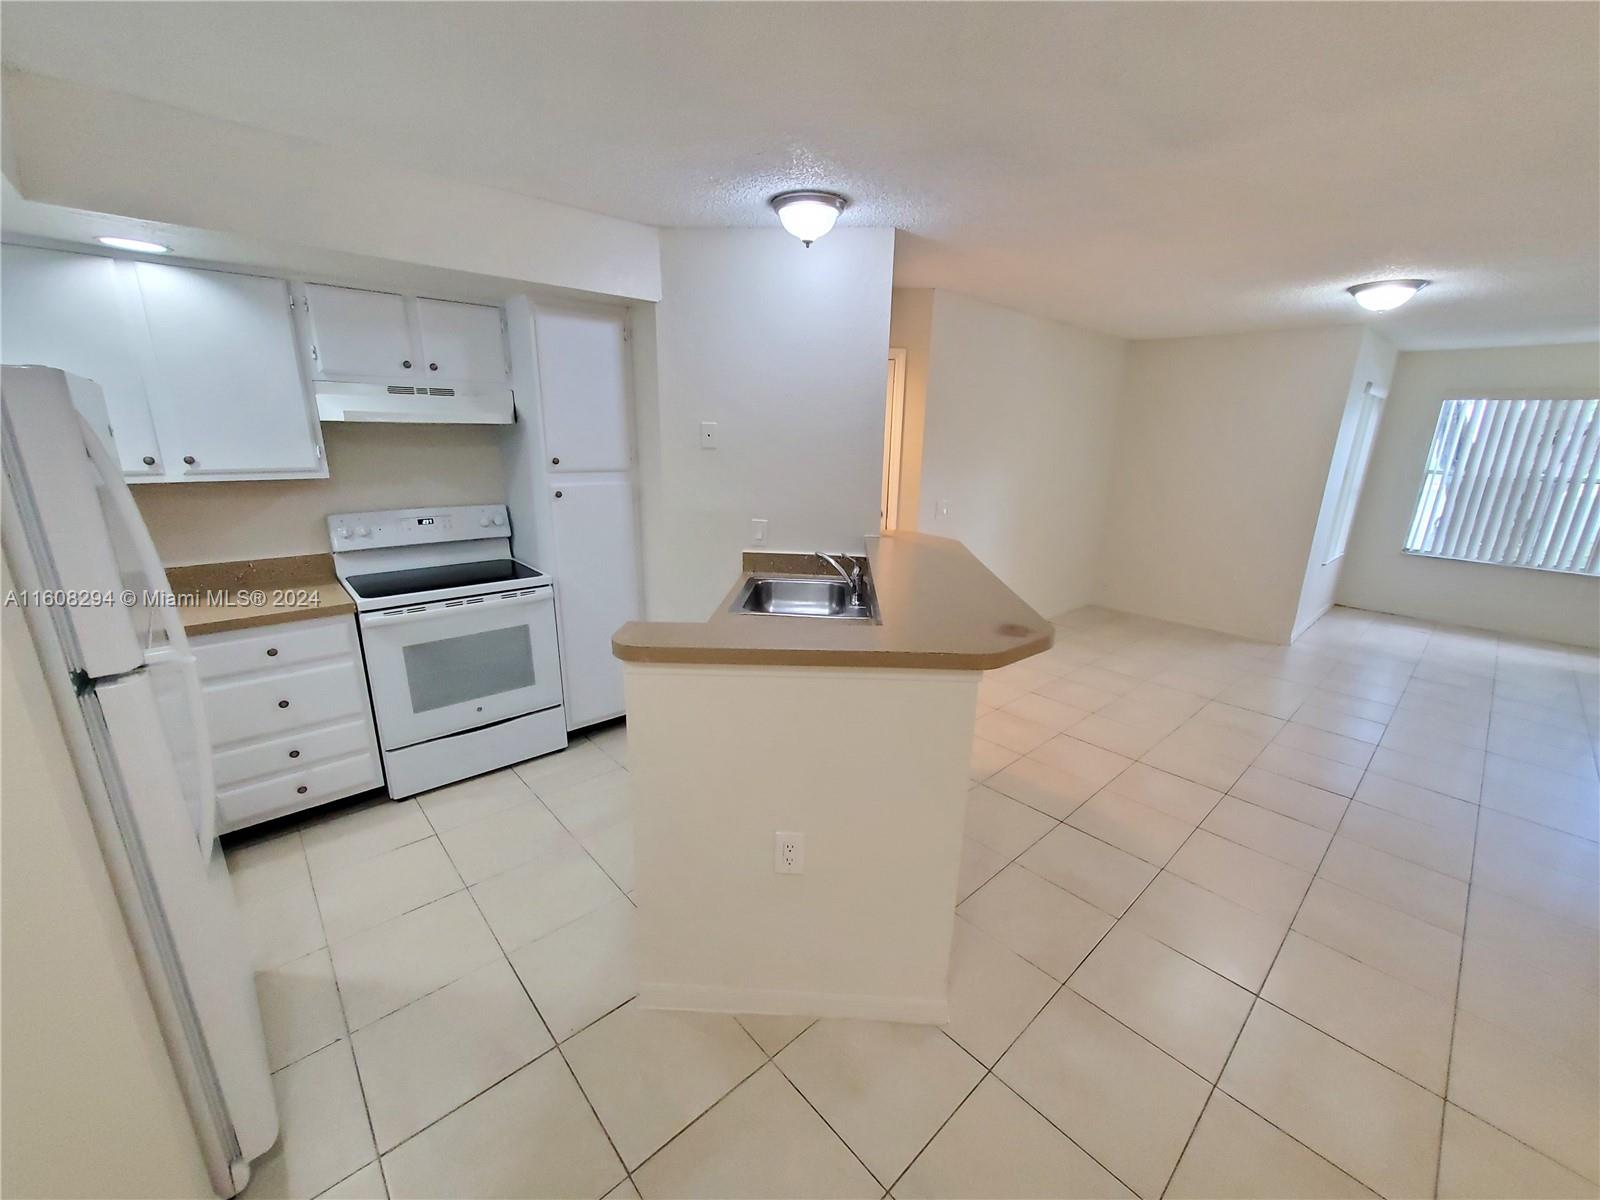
(583, 388)
(80, 312)
(230, 401)
(358, 334)
(462, 341)
(380, 337)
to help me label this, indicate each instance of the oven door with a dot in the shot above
(452, 665)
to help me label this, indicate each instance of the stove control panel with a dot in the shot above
(417, 526)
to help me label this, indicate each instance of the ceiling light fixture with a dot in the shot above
(134, 244)
(808, 215)
(1384, 294)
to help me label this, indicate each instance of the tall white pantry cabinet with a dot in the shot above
(571, 471)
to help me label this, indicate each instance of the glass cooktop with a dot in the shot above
(379, 585)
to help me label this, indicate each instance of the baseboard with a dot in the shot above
(917, 1010)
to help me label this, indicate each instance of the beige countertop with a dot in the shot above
(217, 597)
(942, 609)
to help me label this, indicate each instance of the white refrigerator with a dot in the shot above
(127, 693)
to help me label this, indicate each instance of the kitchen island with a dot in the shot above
(800, 786)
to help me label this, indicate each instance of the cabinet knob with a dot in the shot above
(189, 459)
(148, 460)
(272, 652)
(555, 462)
(433, 366)
(301, 790)
(283, 704)
(406, 363)
(558, 495)
(294, 754)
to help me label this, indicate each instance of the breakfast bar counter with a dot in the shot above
(941, 609)
(800, 781)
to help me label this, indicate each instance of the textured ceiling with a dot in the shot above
(1147, 170)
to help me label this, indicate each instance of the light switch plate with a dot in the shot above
(758, 531)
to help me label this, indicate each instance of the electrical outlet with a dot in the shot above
(789, 853)
(758, 531)
(708, 435)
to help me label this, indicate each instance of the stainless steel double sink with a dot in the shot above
(805, 596)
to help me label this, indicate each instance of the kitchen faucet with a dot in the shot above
(852, 576)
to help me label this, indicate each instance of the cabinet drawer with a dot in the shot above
(274, 647)
(291, 792)
(294, 751)
(256, 707)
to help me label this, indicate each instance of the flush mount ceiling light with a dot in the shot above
(808, 215)
(1384, 294)
(134, 244)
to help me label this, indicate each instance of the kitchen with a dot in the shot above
(754, 616)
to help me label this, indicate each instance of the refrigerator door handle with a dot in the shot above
(176, 651)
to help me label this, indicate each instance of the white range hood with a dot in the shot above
(400, 404)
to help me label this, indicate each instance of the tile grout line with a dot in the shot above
(344, 1018)
(555, 1043)
(1062, 986)
(1461, 962)
(1065, 983)
(1257, 999)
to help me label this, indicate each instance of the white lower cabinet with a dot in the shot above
(290, 722)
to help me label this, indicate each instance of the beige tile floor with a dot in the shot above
(1234, 920)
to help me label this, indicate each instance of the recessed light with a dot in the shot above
(808, 215)
(1381, 295)
(134, 244)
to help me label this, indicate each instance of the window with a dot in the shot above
(1515, 482)
(1370, 406)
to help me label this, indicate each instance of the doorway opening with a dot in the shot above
(894, 426)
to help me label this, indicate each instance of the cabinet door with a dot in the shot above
(227, 390)
(80, 312)
(358, 334)
(597, 590)
(461, 341)
(583, 388)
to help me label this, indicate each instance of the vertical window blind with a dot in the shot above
(1514, 482)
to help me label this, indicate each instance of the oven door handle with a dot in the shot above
(448, 609)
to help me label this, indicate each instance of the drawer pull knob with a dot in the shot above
(148, 460)
(301, 790)
(555, 462)
(272, 652)
(294, 754)
(189, 459)
(433, 366)
(283, 704)
(406, 363)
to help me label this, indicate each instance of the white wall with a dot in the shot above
(1019, 428)
(89, 149)
(1377, 575)
(1374, 369)
(786, 349)
(92, 1105)
(369, 467)
(1223, 447)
